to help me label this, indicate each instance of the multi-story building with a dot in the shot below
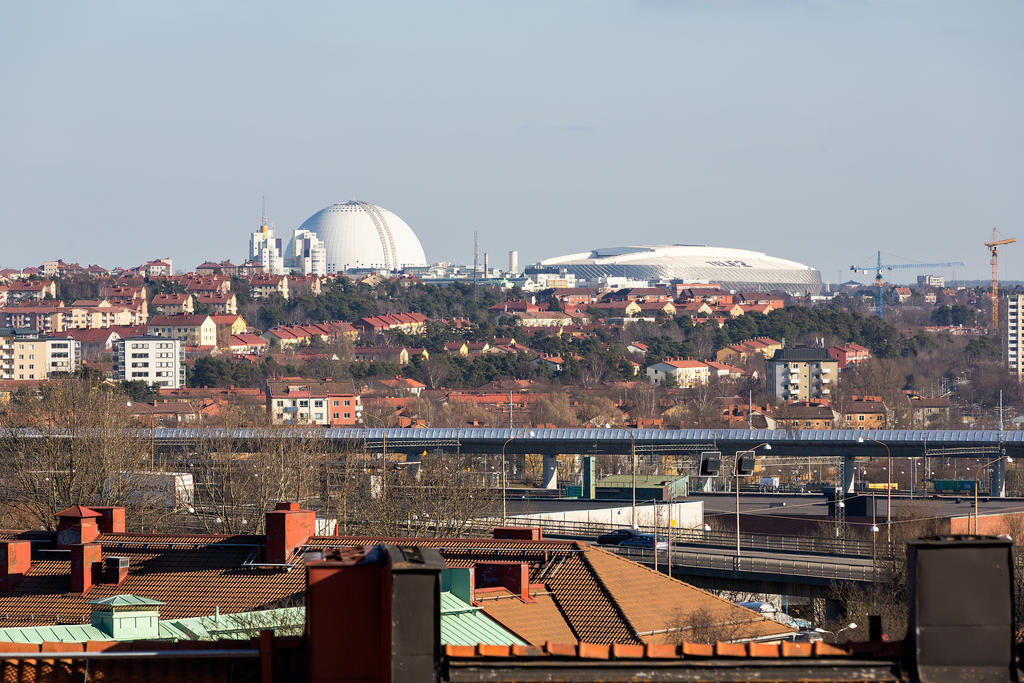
(801, 374)
(684, 373)
(309, 401)
(24, 355)
(1015, 334)
(931, 281)
(309, 255)
(265, 286)
(157, 361)
(223, 304)
(191, 330)
(173, 303)
(267, 250)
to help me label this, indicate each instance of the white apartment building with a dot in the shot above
(309, 255)
(1014, 334)
(267, 250)
(154, 360)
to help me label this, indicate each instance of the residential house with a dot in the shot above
(330, 403)
(382, 354)
(410, 323)
(864, 412)
(191, 330)
(173, 303)
(804, 415)
(637, 348)
(640, 295)
(247, 344)
(538, 318)
(403, 386)
(266, 286)
(848, 354)
(31, 290)
(512, 306)
(681, 372)
(930, 413)
(456, 348)
(224, 304)
(228, 326)
(304, 284)
(160, 413)
(157, 268)
(801, 374)
(742, 351)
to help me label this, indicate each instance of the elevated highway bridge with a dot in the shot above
(842, 445)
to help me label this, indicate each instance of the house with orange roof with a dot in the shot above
(191, 330)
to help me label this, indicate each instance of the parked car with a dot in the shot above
(646, 541)
(616, 537)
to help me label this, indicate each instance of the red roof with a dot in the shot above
(78, 512)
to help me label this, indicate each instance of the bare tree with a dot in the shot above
(77, 444)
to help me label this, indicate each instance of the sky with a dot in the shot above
(817, 130)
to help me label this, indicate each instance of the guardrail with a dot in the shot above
(822, 545)
(753, 565)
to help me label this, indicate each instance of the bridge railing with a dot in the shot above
(714, 538)
(754, 565)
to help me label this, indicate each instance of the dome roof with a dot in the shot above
(362, 235)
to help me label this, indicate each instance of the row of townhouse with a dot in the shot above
(58, 317)
(184, 303)
(410, 323)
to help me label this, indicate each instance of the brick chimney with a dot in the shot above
(85, 566)
(77, 525)
(513, 576)
(374, 614)
(111, 520)
(15, 561)
(288, 527)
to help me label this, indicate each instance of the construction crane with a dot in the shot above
(993, 247)
(879, 281)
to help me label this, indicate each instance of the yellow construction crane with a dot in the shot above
(993, 247)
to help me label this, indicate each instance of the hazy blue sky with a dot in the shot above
(814, 130)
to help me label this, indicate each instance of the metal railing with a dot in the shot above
(753, 565)
(822, 545)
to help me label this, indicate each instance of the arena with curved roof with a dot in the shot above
(734, 269)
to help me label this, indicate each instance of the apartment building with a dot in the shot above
(801, 374)
(173, 303)
(307, 401)
(683, 373)
(191, 330)
(266, 286)
(1014, 334)
(157, 361)
(24, 355)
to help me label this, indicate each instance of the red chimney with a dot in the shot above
(77, 525)
(86, 564)
(513, 576)
(15, 561)
(111, 519)
(519, 533)
(288, 527)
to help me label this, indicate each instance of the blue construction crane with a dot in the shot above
(894, 266)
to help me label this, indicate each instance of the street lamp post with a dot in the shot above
(736, 476)
(888, 488)
(977, 477)
(504, 471)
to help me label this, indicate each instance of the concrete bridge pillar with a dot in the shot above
(550, 477)
(997, 481)
(847, 470)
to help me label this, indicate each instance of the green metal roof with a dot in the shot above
(463, 624)
(125, 600)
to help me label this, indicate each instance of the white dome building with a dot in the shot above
(359, 235)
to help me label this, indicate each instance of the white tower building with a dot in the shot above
(309, 255)
(266, 249)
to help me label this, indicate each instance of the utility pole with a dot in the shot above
(476, 255)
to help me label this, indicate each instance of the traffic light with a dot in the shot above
(710, 463)
(744, 463)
